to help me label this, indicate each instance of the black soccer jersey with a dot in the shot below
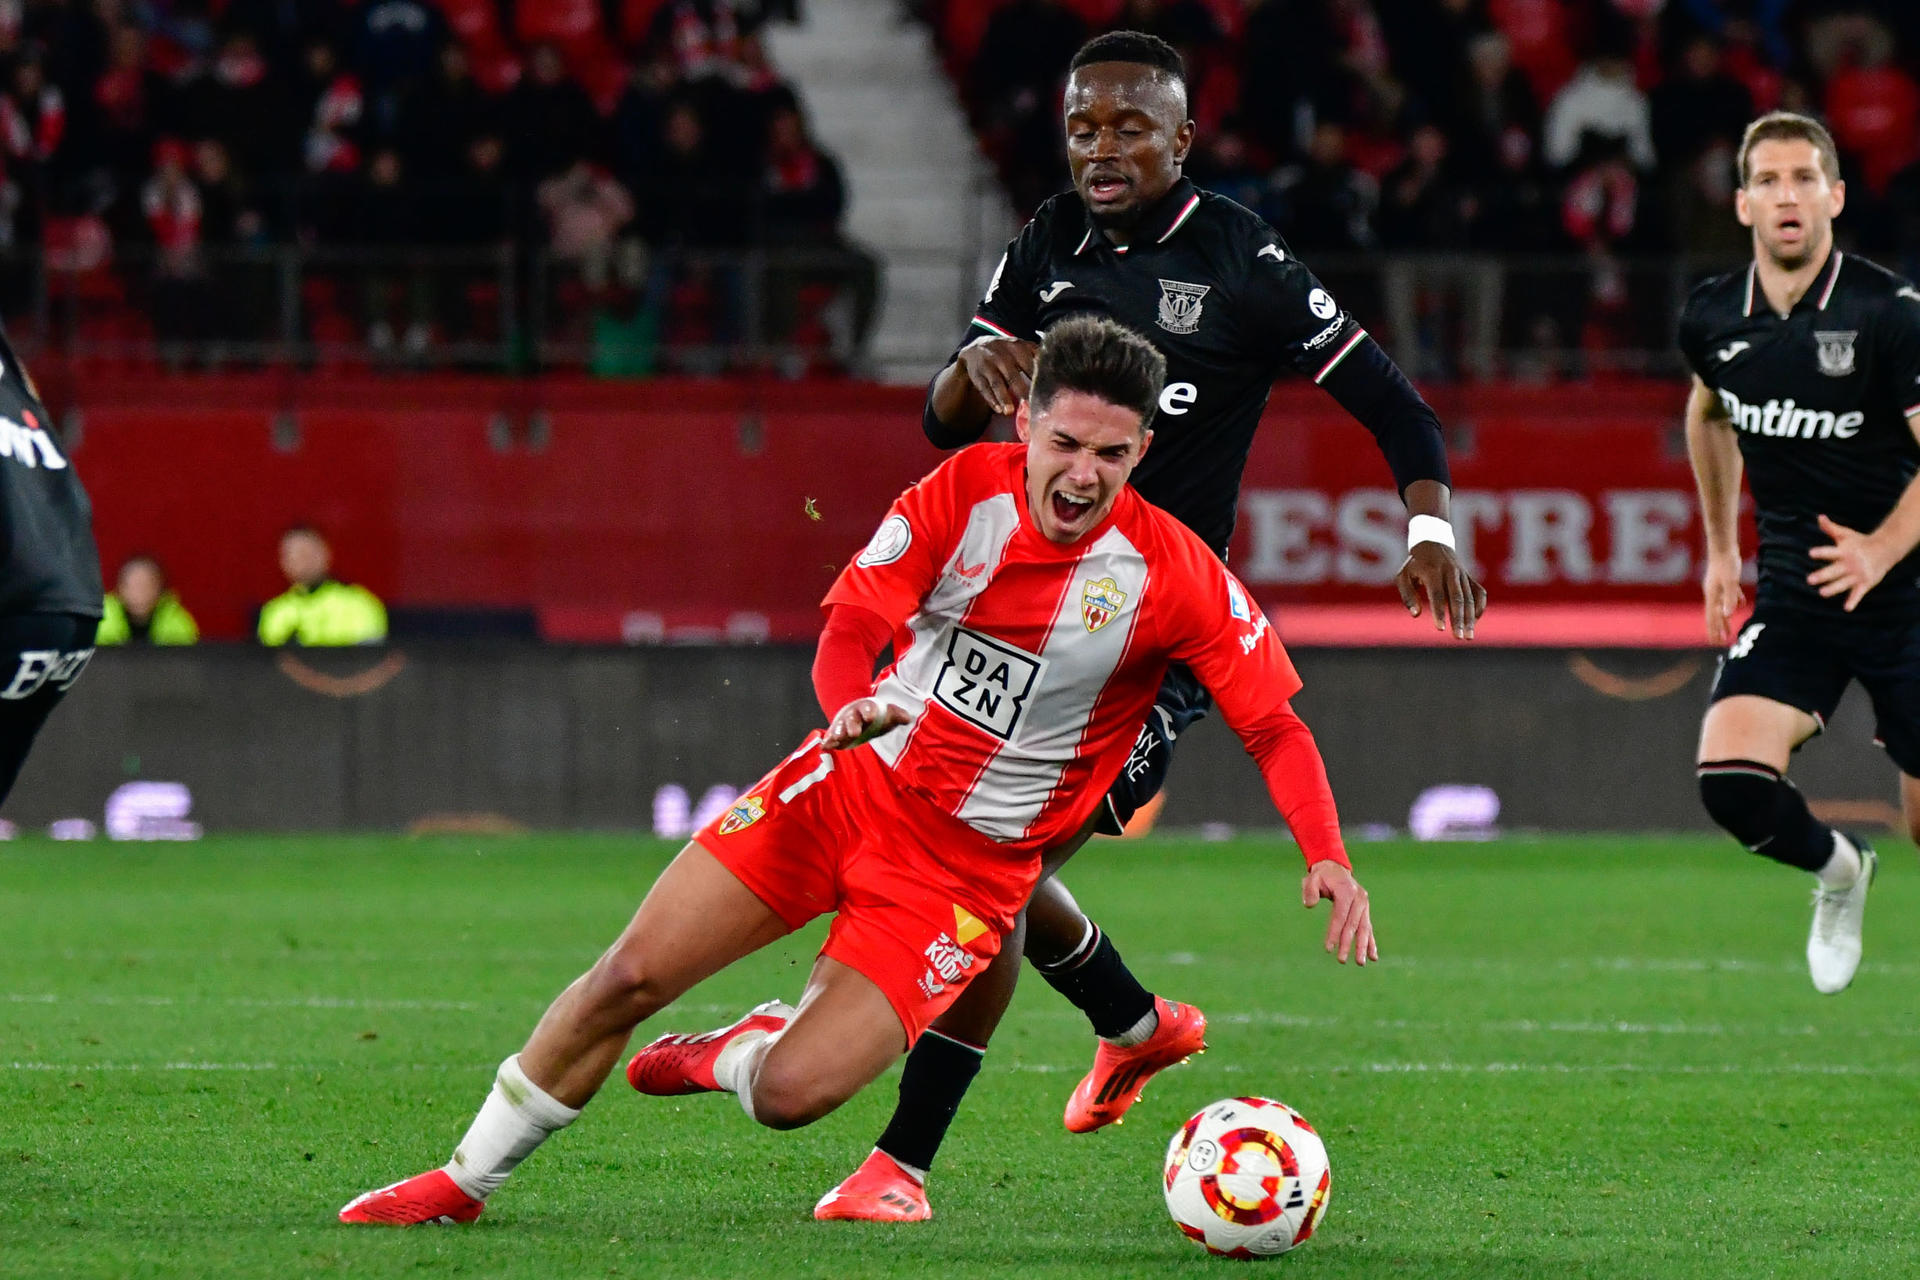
(1819, 400)
(48, 563)
(1215, 289)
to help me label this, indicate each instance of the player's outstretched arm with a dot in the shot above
(1433, 568)
(862, 720)
(1296, 777)
(990, 375)
(1715, 456)
(1351, 926)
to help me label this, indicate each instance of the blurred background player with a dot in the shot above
(1807, 376)
(50, 576)
(143, 609)
(316, 609)
(927, 842)
(1220, 295)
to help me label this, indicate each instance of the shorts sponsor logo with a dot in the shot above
(889, 542)
(744, 814)
(1180, 305)
(947, 959)
(1783, 419)
(41, 667)
(1744, 645)
(987, 682)
(1101, 599)
(1835, 348)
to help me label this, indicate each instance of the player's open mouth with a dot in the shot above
(1790, 228)
(1106, 186)
(1068, 509)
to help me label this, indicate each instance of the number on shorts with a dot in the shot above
(820, 771)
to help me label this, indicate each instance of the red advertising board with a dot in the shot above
(694, 511)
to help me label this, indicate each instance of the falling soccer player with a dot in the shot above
(1034, 602)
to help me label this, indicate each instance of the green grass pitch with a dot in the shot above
(1578, 1057)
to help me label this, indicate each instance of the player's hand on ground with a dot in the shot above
(1351, 929)
(1721, 584)
(1001, 370)
(862, 720)
(1454, 598)
(1855, 563)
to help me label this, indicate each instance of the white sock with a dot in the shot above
(918, 1174)
(738, 1065)
(1138, 1032)
(517, 1116)
(1843, 867)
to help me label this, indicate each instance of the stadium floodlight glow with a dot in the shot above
(1455, 812)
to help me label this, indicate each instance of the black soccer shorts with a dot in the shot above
(1182, 700)
(1805, 661)
(41, 655)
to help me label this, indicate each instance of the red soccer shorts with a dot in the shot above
(923, 899)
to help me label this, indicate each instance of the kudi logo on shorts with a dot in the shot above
(948, 958)
(1100, 601)
(743, 815)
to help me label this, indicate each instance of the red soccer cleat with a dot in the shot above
(1119, 1075)
(878, 1191)
(427, 1197)
(677, 1064)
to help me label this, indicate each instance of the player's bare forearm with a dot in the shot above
(1429, 498)
(1715, 457)
(961, 411)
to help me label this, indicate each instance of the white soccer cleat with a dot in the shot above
(1833, 947)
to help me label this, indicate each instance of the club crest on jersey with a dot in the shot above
(1180, 306)
(1100, 600)
(748, 811)
(1836, 351)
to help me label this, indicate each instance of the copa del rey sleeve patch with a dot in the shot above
(889, 542)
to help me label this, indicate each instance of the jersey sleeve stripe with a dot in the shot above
(1911, 410)
(1339, 355)
(991, 327)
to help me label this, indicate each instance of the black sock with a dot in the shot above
(939, 1069)
(1765, 812)
(1100, 985)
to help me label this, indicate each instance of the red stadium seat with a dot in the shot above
(636, 18)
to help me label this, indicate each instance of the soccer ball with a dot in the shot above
(1247, 1178)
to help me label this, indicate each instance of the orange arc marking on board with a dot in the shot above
(1632, 688)
(358, 685)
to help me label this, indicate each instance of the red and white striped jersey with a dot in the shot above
(1028, 666)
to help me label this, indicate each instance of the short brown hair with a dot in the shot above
(1789, 126)
(1102, 358)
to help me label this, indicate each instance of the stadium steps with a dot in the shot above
(920, 195)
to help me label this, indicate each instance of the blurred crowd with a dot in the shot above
(1602, 131)
(629, 140)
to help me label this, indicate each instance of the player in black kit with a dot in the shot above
(1219, 294)
(1807, 372)
(50, 589)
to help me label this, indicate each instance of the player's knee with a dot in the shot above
(1743, 796)
(789, 1094)
(625, 982)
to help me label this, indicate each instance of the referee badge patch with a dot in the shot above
(1180, 306)
(1836, 351)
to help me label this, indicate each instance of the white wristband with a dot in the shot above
(1429, 529)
